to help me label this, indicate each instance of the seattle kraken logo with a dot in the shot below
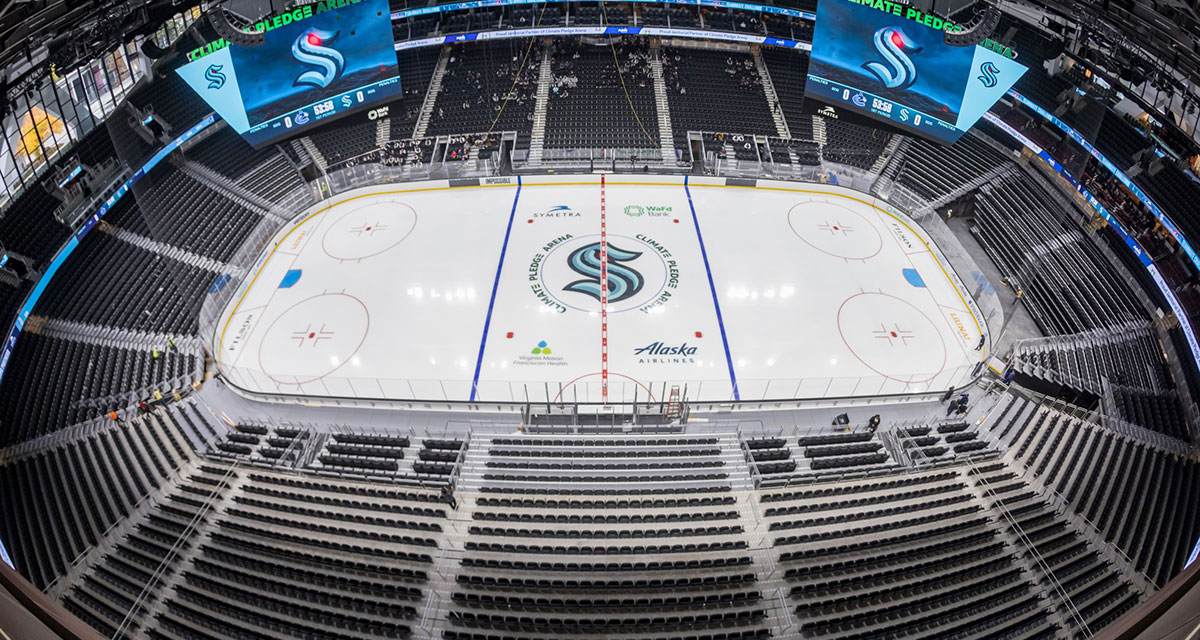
(214, 75)
(309, 49)
(623, 282)
(894, 46)
(989, 71)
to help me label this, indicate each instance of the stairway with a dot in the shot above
(314, 153)
(882, 161)
(976, 182)
(383, 131)
(819, 131)
(106, 336)
(537, 138)
(666, 137)
(303, 158)
(231, 190)
(431, 94)
(169, 250)
(882, 187)
(772, 98)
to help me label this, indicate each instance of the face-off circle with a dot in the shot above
(834, 229)
(313, 338)
(891, 337)
(368, 230)
(641, 274)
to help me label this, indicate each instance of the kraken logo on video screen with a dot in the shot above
(894, 46)
(309, 48)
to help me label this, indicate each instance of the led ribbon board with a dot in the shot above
(722, 4)
(666, 32)
(890, 62)
(318, 62)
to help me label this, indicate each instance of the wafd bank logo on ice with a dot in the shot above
(648, 210)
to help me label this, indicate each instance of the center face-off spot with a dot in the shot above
(313, 338)
(892, 337)
(835, 229)
(642, 273)
(369, 229)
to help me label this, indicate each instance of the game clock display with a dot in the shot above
(882, 108)
(287, 123)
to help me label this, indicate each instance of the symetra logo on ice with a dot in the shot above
(664, 353)
(561, 211)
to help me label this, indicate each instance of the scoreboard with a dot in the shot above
(318, 62)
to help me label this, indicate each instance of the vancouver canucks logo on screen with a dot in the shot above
(988, 71)
(894, 46)
(623, 281)
(309, 48)
(214, 75)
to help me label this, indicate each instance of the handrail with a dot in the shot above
(997, 502)
(156, 577)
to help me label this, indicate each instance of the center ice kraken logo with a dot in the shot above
(566, 274)
(624, 281)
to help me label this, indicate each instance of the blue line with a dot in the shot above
(713, 289)
(487, 323)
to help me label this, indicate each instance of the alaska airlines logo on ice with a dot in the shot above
(561, 211)
(309, 49)
(624, 282)
(662, 353)
(216, 78)
(989, 71)
(894, 46)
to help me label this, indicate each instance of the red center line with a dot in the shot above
(603, 295)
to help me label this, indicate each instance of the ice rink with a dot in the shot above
(493, 293)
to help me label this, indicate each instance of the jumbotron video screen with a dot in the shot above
(890, 62)
(318, 62)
